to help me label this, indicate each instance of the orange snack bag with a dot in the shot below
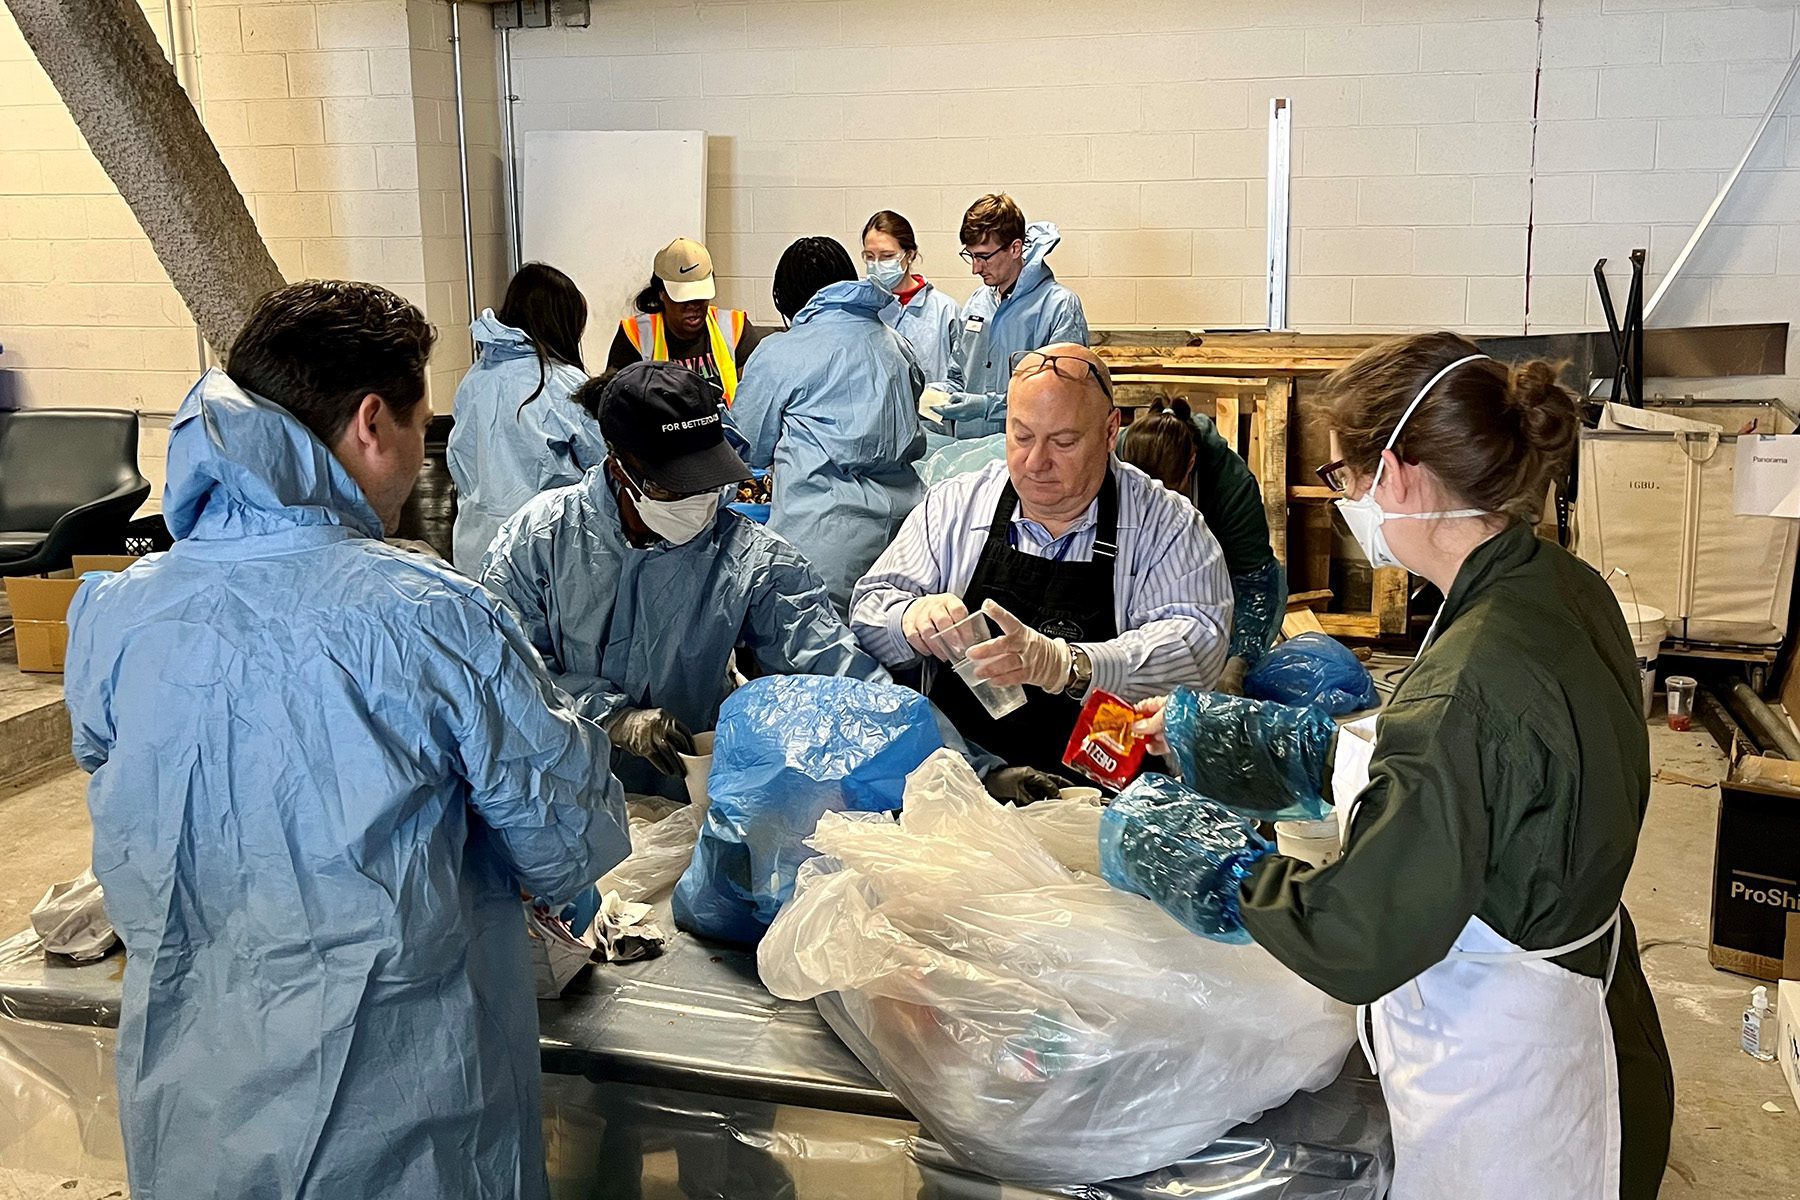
(1102, 746)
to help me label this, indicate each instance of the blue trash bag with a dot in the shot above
(789, 749)
(1166, 842)
(1265, 760)
(1317, 670)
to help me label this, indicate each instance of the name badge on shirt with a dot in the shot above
(974, 324)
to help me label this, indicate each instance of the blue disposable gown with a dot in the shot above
(621, 627)
(502, 454)
(323, 770)
(931, 323)
(1038, 313)
(833, 405)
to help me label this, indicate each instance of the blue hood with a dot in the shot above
(498, 341)
(1041, 237)
(240, 466)
(859, 297)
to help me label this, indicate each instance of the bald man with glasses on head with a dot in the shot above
(1095, 574)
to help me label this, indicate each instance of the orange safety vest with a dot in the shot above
(724, 328)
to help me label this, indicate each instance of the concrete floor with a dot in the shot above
(1725, 1143)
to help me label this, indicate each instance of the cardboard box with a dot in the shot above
(40, 607)
(1787, 1037)
(1756, 868)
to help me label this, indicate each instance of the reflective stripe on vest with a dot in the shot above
(724, 329)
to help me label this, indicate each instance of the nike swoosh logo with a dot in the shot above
(689, 267)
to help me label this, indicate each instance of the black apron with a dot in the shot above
(1069, 600)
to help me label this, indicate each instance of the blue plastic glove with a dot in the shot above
(969, 406)
(1258, 602)
(1265, 760)
(1165, 842)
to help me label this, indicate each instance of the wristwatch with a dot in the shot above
(1081, 672)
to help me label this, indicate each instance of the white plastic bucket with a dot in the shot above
(1647, 627)
(699, 767)
(1314, 842)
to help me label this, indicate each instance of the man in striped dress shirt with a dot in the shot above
(1096, 575)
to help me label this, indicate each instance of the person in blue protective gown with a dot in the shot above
(323, 770)
(832, 406)
(516, 432)
(1185, 452)
(636, 585)
(1020, 306)
(929, 320)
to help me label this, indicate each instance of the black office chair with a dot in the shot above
(69, 483)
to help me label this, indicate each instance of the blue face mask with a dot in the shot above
(887, 273)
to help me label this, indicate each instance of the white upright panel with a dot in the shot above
(598, 205)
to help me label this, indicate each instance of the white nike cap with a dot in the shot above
(685, 269)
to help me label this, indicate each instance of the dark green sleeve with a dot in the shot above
(1414, 867)
(1228, 496)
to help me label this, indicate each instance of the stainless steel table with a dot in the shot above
(681, 1076)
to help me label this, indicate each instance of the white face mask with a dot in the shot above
(679, 521)
(1365, 516)
(887, 273)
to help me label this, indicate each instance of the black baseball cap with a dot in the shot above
(667, 419)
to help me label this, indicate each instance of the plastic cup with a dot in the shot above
(965, 635)
(698, 767)
(1085, 795)
(998, 699)
(1313, 842)
(1681, 702)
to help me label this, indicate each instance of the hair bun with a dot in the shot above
(1546, 410)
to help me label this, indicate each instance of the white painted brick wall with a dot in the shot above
(1141, 129)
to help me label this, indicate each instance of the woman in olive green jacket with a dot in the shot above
(1476, 909)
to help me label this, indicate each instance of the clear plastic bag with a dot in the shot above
(1168, 843)
(1256, 757)
(788, 749)
(959, 456)
(1043, 1026)
(71, 919)
(1314, 669)
(1069, 829)
(660, 851)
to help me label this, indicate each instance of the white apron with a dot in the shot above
(1498, 1069)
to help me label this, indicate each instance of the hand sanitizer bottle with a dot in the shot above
(1759, 1027)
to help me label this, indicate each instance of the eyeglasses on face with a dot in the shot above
(1335, 475)
(972, 257)
(1071, 367)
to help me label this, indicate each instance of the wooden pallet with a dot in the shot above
(1251, 379)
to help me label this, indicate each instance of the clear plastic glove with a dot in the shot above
(653, 734)
(926, 621)
(1231, 679)
(931, 402)
(964, 406)
(1150, 724)
(1021, 655)
(1022, 785)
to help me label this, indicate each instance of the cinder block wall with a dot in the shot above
(1140, 127)
(337, 123)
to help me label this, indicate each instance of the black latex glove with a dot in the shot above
(1022, 785)
(653, 735)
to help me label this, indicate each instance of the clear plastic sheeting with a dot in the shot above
(1043, 1026)
(59, 1103)
(1315, 669)
(1259, 758)
(1164, 841)
(626, 1141)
